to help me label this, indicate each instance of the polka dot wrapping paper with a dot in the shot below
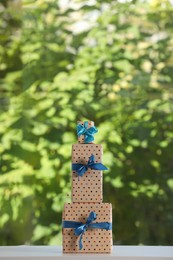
(87, 188)
(94, 240)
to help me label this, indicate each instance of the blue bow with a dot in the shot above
(82, 168)
(80, 228)
(88, 133)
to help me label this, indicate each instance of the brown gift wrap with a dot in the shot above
(81, 138)
(87, 188)
(94, 240)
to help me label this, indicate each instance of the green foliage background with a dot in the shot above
(116, 69)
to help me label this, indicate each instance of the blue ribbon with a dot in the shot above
(82, 168)
(80, 228)
(88, 133)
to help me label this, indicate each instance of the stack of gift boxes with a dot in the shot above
(87, 221)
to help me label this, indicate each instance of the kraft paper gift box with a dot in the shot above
(94, 240)
(87, 188)
(81, 139)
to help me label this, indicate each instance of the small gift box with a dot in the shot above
(87, 172)
(85, 131)
(87, 228)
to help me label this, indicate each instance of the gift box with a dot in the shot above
(87, 228)
(88, 187)
(87, 137)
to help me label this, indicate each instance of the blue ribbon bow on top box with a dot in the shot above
(87, 132)
(82, 168)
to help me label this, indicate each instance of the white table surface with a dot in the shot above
(55, 252)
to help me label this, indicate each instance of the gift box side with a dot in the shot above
(94, 240)
(82, 152)
(87, 188)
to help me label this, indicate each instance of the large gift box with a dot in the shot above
(86, 181)
(87, 228)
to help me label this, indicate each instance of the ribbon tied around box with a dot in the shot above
(82, 168)
(80, 228)
(87, 132)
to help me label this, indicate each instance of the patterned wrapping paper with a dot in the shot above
(81, 138)
(94, 240)
(87, 188)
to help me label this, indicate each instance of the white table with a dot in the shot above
(55, 252)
